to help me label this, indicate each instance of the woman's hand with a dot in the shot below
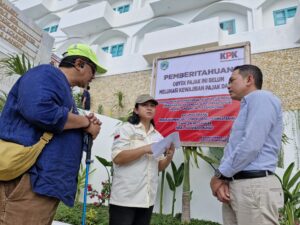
(168, 158)
(170, 152)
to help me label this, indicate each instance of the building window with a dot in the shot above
(228, 25)
(51, 29)
(105, 49)
(122, 9)
(115, 50)
(280, 16)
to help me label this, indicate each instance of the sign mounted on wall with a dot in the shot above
(18, 34)
(192, 93)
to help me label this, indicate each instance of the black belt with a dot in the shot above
(248, 174)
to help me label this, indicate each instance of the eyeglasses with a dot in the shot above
(93, 67)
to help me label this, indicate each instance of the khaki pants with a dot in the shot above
(20, 206)
(254, 202)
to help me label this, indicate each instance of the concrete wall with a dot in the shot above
(130, 84)
(281, 71)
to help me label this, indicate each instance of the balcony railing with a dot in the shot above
(89, 20)
(34, 9)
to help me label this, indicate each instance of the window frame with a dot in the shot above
(105, 49)
(227, 22)
(285, 17)
(122, 9)
(115, 50)
(53, 28)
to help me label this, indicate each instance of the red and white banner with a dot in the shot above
(193, 96)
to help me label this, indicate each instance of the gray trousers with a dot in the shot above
(254, 201)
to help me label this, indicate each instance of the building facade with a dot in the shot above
(128, 35)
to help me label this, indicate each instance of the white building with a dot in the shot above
(128, 34)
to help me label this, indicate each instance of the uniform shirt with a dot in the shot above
(255, 138)
(135, 184)
(40, 101)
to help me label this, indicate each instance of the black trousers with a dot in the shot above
(120, 215)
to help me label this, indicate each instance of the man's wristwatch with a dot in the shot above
(218, 174)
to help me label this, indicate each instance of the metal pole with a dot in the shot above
(88, 142)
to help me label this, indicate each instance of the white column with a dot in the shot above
(257, 19)
(250, 20)
(136, 4)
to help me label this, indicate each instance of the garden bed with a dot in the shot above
(99, 216)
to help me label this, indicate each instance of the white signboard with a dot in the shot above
(196, 75)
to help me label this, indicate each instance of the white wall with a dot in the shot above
(268, 19)
(101, 147)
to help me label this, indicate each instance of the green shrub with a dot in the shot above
(69, 215)
(99, 216)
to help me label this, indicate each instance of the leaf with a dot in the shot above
(297, 188)
(103, 161)
(174, 169)
(287, 174)
(179, 175)
(296, 198)
(195, 157)
(170, 181)
(17, 64)
(293, 180)
(217, 153)
(206, 158)
(285, 139)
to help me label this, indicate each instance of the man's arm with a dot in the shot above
(76, 121)
(89, 123)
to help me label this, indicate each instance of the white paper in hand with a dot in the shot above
(174, 138)
(160, 147)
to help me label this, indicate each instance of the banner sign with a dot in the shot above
(23, 34)
(193, 96)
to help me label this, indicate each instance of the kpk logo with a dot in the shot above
(164, 65)
(228, 56)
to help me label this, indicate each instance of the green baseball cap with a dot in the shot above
(86, 51)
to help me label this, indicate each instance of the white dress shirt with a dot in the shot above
(135, 184)
(255, 137)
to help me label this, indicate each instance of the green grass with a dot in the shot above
(99, 216)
